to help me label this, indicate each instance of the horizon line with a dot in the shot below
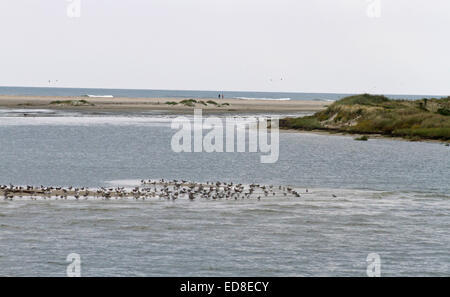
(234, 91)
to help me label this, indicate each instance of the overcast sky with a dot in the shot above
(263, 45)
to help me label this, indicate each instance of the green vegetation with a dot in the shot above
(193, 102)
(72, 102)
(362, 138)
(444, 111)
(368, 114)
(303, 123)
(364, 99)
(188, 102)
(212, 102)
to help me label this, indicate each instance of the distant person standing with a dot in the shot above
(219, 96)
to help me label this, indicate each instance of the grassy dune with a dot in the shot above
(369, 114)
(193, 102)
(71, 102)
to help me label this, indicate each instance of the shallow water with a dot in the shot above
(315, 235)
(392, 199)
(92, 150)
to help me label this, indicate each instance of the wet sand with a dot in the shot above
(148, 104)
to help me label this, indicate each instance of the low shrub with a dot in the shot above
(362, 138)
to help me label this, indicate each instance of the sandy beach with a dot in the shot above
(147, 104)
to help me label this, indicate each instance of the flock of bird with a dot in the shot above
(163, 189)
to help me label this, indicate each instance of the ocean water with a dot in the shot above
(54, 91)
(391, 198)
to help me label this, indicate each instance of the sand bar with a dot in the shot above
(147, 104)
(153, 189)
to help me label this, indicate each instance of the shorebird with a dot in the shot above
(164, 189)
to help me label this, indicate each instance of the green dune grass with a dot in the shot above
(369, 114)
(72, 102)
